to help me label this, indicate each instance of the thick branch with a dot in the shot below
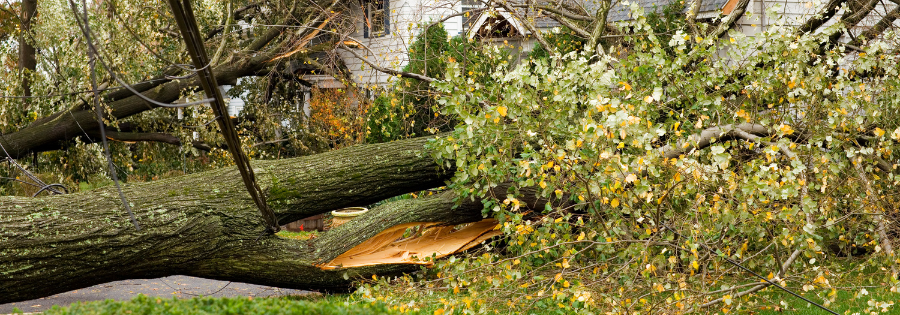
(830, 9)
(880, 27)
(691, 17)
(729, 20)
(706, 137)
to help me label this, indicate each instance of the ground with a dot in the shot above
(172, 286)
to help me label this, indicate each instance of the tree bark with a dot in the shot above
(27, 60)
(205, 224)
(47, 134)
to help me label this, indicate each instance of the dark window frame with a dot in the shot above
(377, 18)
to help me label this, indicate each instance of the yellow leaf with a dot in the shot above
(438, 311)
(648, 99)
(787, 129)
(625, 85)
(566, 283)
(614, 203)
(502, 110)
(879, 132)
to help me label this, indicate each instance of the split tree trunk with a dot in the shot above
(205, 224)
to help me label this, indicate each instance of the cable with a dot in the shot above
(50, 186)
(751, 272)
(37, 181)
(187, 24)
(85, 28)
(93, 49)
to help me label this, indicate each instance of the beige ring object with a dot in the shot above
(344, 215)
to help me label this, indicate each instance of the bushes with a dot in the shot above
(407, 109)
(410, 108)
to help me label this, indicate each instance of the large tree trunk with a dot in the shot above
(205, 224)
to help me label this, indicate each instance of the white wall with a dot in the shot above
(390, 51)
(796, 12)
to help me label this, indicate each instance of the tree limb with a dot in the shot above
(830, 9)
(730, 19)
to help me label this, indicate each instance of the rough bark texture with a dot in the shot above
(205, 224)
(48, 133)
(27, 60)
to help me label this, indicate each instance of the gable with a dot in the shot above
(497, 27)
(500, 25)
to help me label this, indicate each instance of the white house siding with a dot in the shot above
(796, 12)
(390, 51)
(790, 14)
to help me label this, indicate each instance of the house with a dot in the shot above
(503, 26)
(384, 30)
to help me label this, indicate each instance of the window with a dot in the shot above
(377, 18)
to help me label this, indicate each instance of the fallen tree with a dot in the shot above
(205, 225)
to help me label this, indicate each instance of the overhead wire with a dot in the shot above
(92, 59)
(87, 32)
(37, 181)
(184, 17)
(736, 264)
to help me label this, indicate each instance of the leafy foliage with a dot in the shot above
(563, 41)
(409, 108)
(406, 110)
(637, 199)
(337, 116)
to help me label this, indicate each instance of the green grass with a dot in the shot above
(846, 302)
(144, 305)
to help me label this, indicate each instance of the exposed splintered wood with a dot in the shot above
(434, 242)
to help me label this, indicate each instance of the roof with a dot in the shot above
(619, 12)
(622, 12)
